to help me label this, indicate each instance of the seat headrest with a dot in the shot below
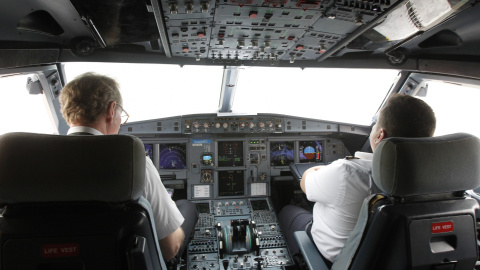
(420, 166)
(56, 168)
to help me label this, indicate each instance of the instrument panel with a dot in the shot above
(235, 167)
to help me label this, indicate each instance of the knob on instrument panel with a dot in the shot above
(251, 125)
(225, 125)
(217, 125)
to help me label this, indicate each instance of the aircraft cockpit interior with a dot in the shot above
(233, 100)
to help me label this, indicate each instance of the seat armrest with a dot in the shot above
(310, 253)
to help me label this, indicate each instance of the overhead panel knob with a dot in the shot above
(173, 8)
(204, 6)
(189, 7)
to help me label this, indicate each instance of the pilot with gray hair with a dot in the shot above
(92, 105)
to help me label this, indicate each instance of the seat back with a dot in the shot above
(424, 220)
(74, 202)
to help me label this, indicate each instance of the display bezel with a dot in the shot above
(318, 156)
(224, 163)
(273, 161)
(162, 157)
(222, 192)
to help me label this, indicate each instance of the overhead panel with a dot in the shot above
(263, 30)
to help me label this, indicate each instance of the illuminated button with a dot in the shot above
(299, 47)
(253, 14)
(221, 35)
(200, 35)
(185, 49)
(322, 49)
(291, 38)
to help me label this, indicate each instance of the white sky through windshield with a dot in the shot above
(157, 91)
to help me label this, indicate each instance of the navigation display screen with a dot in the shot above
(149, 150)
(231, 183)
(230, 154)
(310, 151)
(173, 156)
(281, 153)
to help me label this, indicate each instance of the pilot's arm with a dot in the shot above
(167, 217)
(312, 169)
(171, 244)
(324, 183)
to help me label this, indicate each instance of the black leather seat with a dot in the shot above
(74, 202)
(424, 219)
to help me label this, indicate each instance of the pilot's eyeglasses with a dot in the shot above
(124, 115)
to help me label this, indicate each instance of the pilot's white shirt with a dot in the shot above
(166, 214)
(338, 191)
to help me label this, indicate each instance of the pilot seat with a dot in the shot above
(74, 202)
(423, 218)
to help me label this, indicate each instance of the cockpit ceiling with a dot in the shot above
(242, 32)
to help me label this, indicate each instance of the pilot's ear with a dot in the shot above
(111, 111)
(379, 136)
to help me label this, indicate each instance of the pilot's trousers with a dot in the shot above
(293, 218)
(190, 214)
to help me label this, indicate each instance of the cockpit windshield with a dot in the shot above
(158, 91)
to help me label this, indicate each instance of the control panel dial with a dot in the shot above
(206, 176)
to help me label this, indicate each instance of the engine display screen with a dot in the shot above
(173, 156)
(281, 153)
(230, 154)
(149, 150)
(310, 151)
(231, 183)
